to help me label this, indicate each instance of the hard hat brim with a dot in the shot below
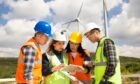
(49, 35)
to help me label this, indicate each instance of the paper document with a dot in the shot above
(70, 76)
(71, 68)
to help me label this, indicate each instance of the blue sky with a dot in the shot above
(17, 18)
(113, 12)
(4, 9)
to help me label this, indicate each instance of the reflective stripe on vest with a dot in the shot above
(39, 61)
(36, 61)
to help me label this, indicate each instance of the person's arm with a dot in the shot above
(110, 53)
(46, 68)
(87, 68)
(29, 54)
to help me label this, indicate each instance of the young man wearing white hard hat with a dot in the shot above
(107, 65)
(55, 59)
(29, 67)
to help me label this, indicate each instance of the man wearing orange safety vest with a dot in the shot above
(29, 67)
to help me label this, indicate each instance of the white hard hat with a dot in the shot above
(90, 26)
(59, 36)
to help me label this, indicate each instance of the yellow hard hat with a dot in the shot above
(76, 37)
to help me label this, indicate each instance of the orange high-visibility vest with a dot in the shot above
(78, 60)
(37, 72)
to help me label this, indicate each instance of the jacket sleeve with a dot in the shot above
(110, 53)
(29, 56)
(46, 68)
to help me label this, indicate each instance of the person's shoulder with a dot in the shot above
(27, 47)
(64, 53)
(87, 52)
(44, 54)
(109, 40)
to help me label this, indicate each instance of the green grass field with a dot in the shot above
(129, 65)
(7, 67)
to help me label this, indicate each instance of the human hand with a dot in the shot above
(30, 82)
(72, 72)
(56, 68)
(88, 63)
(74, 81)
(62, 65)
(80, 69)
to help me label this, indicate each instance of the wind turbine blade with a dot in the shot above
(68, 25)
(69, 22)
(80, 9)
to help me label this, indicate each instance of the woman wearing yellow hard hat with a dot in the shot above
(77, 56)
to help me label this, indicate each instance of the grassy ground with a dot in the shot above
(8, 66)
(130, 65)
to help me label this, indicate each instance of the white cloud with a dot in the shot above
(92, 10)
(126, 50)
(19, 27)
(27, 9)
(126, 28)
(8, 52)
(15, 32)
(123, 27)
(133, 9)
(67, 10)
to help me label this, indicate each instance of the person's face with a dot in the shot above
(59, 46)
(42, 39)
(92, 36)
(74, 46)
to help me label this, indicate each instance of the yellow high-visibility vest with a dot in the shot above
(56, 77)
(101, 64)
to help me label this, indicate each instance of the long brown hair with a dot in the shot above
(79, 50)
(51, 47)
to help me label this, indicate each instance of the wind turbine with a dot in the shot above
(105, 14)
(77, 19)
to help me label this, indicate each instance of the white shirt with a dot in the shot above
(73, 55)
